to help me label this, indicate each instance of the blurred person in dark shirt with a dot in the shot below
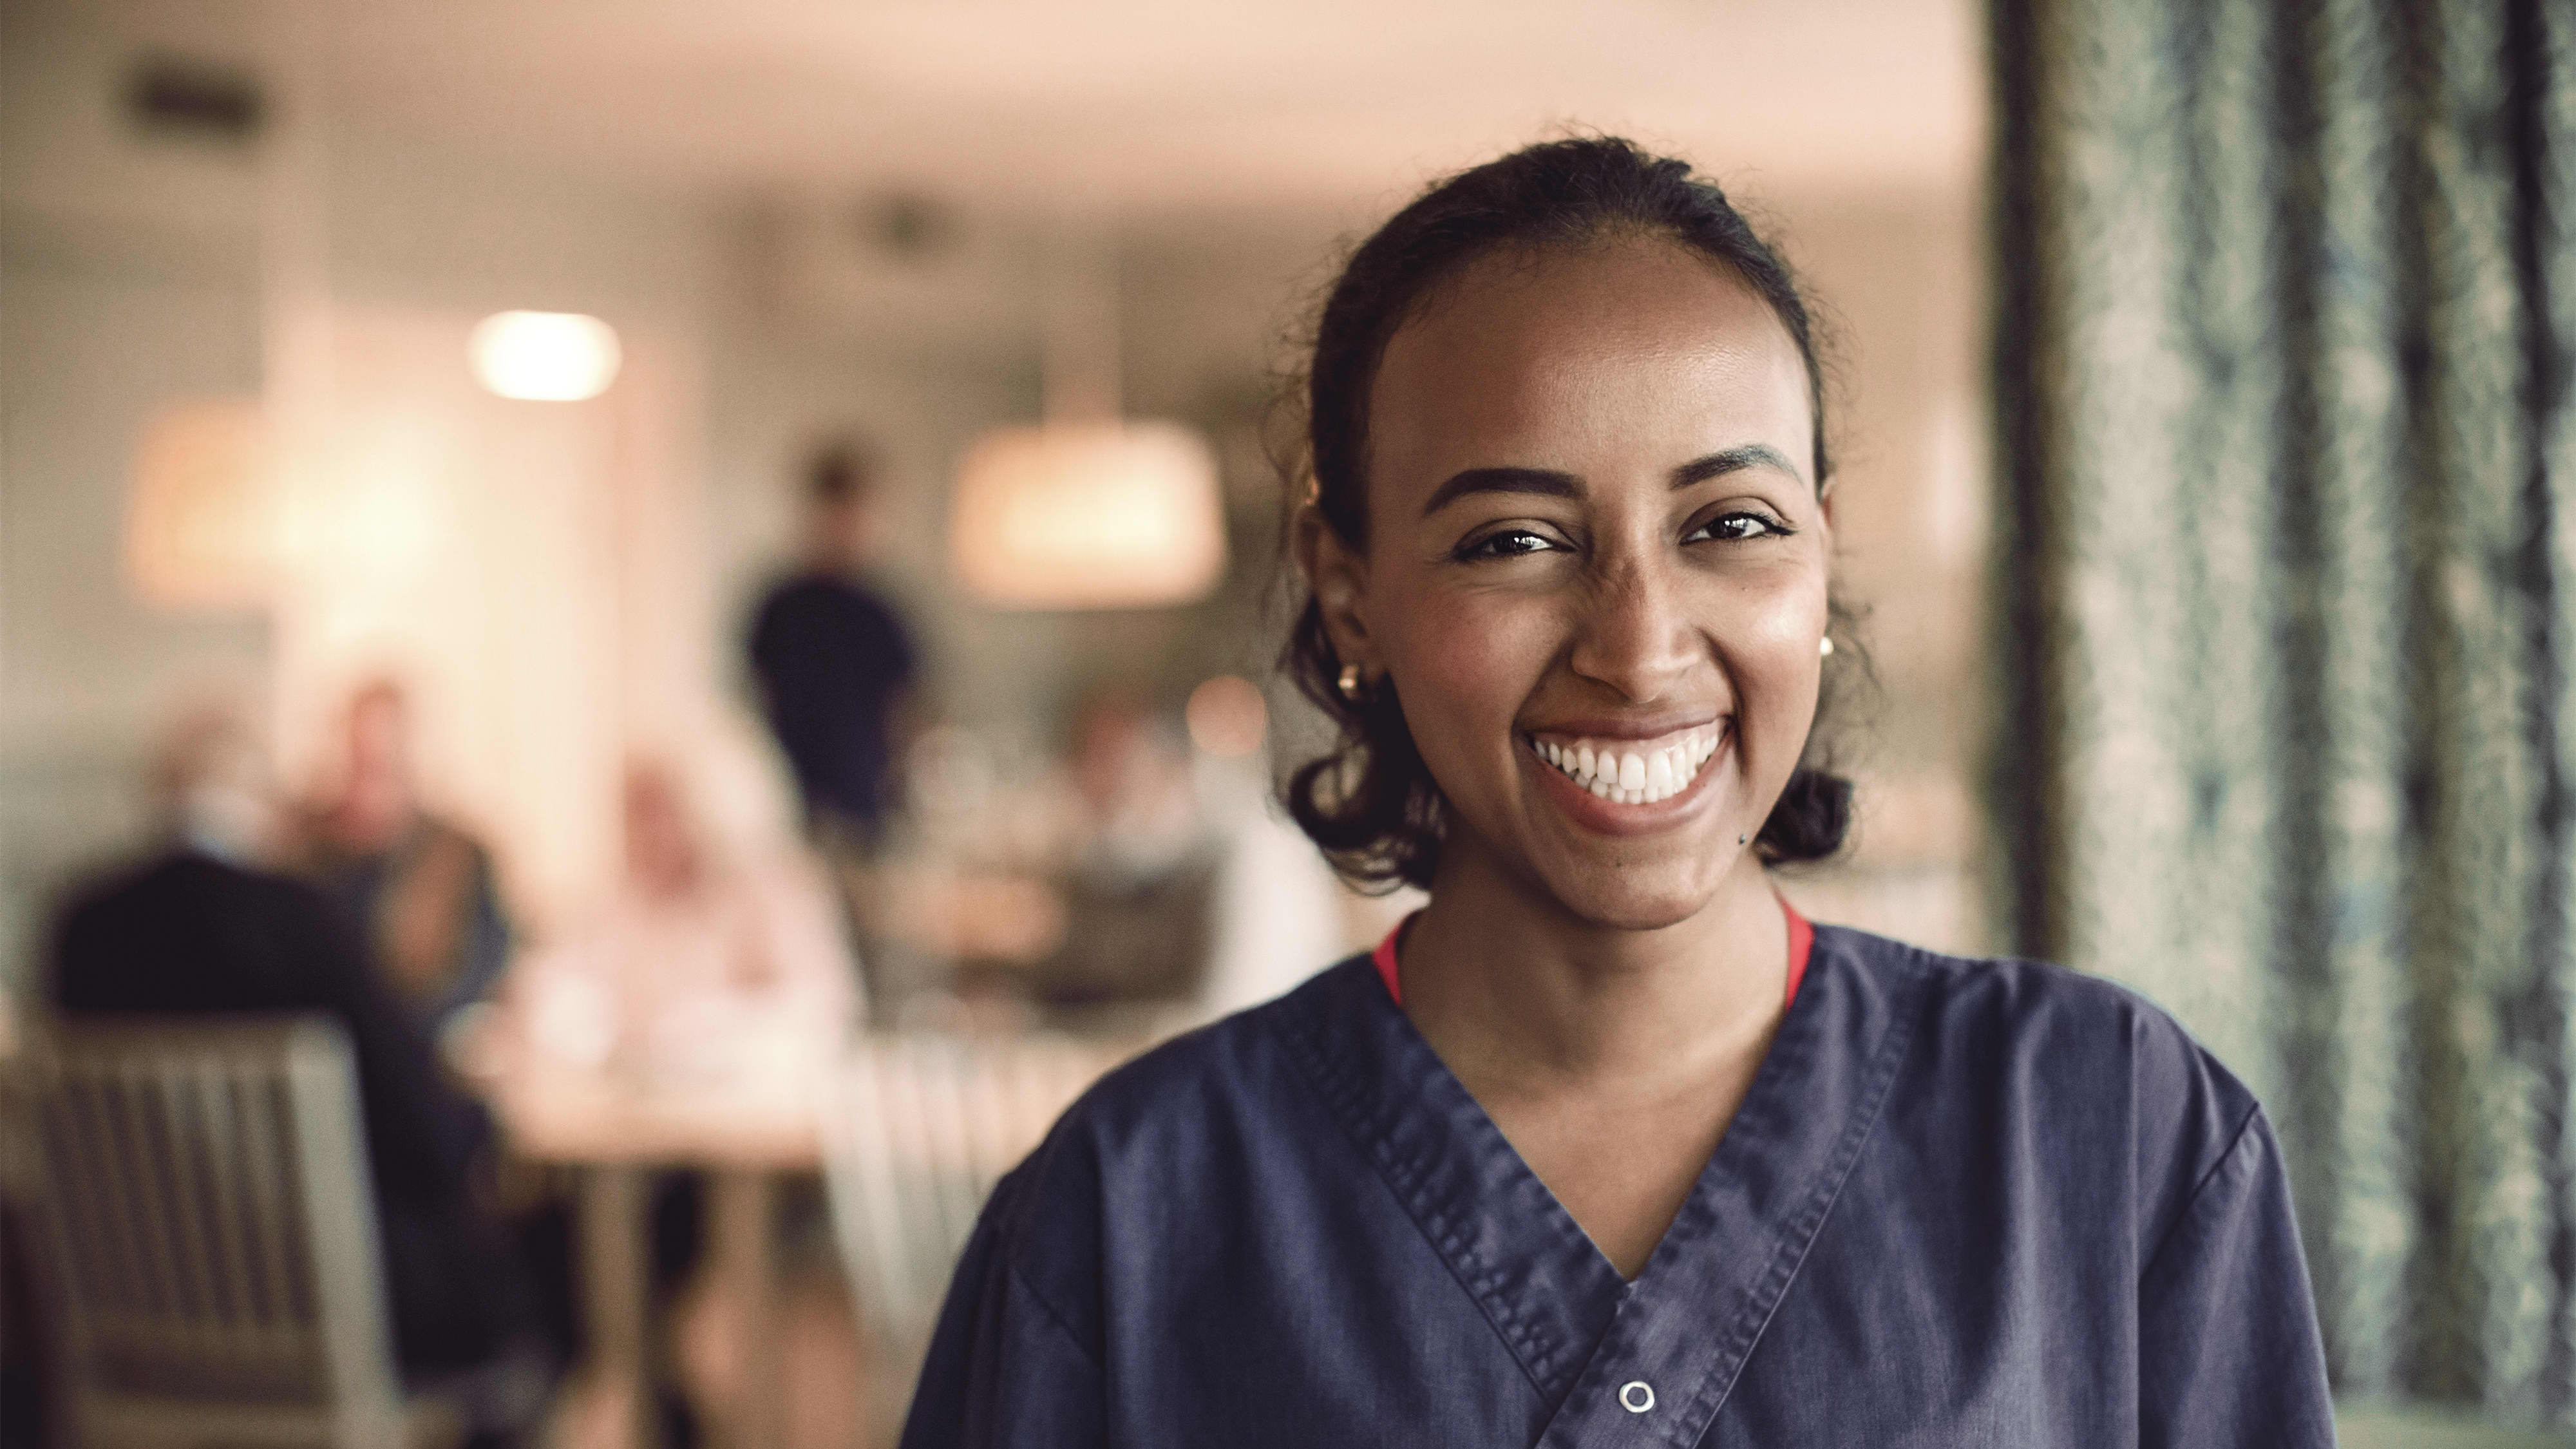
(834, 661)
(204, 925)
(420, 886)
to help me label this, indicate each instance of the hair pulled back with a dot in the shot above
(1370, 801)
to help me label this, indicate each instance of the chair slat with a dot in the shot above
(257, 1195)
(129, 1143)
(146, 1276)
(176, 1161)
(96, 1269)
(943, 1121)
(293, 1235)
(218, 1184)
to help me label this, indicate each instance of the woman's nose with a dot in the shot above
(1633, 635)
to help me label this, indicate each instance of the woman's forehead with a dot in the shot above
(1630, 347)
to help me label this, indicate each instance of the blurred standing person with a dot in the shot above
(836, 667)
(834, 660)
(204, 925)
(421, 886)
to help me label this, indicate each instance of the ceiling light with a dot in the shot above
(1087, 510)
(1100, 515)
(544, 356)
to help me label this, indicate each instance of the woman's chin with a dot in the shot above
(1633, 897)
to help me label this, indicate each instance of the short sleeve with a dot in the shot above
(1003, 1367)
(2228, 1349)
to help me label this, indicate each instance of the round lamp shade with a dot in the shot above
(1089, 516)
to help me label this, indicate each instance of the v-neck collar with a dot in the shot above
(1678, 1335)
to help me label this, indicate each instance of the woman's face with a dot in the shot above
(1596, 569)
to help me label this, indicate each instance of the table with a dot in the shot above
(615, 1134)
(946, 1109)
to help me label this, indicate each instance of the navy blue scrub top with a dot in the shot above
(1963, 1203)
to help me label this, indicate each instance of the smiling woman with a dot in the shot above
(1606, 1144)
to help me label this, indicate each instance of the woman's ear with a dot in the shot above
(1337, 575)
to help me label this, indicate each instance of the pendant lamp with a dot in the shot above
(1087, 510)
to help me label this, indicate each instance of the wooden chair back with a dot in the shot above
(916, 1130)
(205, 1183)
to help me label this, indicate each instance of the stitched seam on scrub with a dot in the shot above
(1476, 1278)
(1791, 1252)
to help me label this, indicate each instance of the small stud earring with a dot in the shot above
(1350, 682)
(1740, 839)
(1825, 647)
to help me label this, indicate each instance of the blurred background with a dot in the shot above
(452, 455)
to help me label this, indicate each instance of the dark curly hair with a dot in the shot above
(1370, 802)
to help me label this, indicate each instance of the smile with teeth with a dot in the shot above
(1633, 772)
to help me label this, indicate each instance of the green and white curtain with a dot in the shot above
(2285, 313)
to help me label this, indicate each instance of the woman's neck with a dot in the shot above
(1509, 986)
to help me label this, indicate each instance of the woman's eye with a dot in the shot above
(1736, 527)
(1510, 543)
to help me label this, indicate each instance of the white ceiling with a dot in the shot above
(1134, 104)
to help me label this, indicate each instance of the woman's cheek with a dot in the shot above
(1465, 674)
(1776, 668)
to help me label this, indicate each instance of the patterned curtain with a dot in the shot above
(2285, 309)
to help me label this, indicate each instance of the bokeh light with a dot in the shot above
(1227, 716)
(545, 356)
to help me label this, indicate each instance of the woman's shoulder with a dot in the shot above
(2079, 1063)
(2034, 1009)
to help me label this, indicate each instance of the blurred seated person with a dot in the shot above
(1142, 862)
(708, 962)
(203, 925)
(834, 660)
(420, 886)
(716, 963)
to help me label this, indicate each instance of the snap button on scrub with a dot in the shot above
(1636, 1396)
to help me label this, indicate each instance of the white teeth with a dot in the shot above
(1633, 778)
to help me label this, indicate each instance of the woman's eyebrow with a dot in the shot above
(1730, 460)
(1503, 480)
